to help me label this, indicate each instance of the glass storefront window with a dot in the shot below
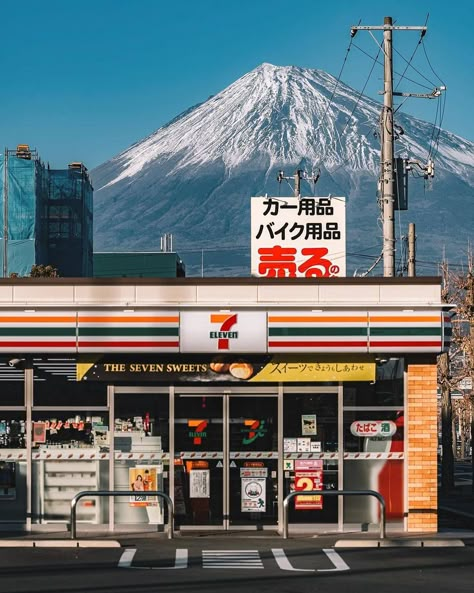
(141, 463)
(373, 460)
(253, 467)
(310, 432)
(12, 390)
(386, 391)
(199, 444)
(70, 453)
(12, 430)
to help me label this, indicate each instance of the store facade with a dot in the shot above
(225, 394)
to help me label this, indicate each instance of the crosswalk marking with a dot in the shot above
(235, 559)
(231, 559)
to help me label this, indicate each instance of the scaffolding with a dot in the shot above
(45, 215)
(68, 220)
(22, 196)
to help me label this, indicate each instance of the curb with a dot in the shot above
(58, 543)
(399, 543)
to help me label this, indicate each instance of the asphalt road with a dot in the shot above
(241, 565)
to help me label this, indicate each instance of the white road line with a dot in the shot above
(181, 560)
(127, 557)
(284, 563)
(231, 559)
(336, 560)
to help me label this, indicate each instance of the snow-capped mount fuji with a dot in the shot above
(194, 176)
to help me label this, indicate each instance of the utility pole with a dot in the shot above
(297, 183)
(5, 214)
(411, 249)
(387, 180)
(298, 176)
(387, 197)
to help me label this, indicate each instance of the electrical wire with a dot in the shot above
(328, 105)
(359, 97)
(430, 88)
(431, 67)
(433, 85)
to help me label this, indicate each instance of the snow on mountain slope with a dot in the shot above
(194, 176)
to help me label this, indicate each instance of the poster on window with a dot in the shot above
(39, 432)
(303, 237)
(199, 483)
(308, 425)
(308, 477)
(253, 498)
(143, 478)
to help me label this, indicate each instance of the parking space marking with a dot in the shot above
(181, 560)
(284, 563)
(127, 557)
(338, 562)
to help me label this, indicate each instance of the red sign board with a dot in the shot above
(308, 476)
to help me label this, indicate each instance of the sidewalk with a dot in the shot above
(456, 509)
(455, 525)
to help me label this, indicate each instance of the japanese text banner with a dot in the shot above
(303, 237)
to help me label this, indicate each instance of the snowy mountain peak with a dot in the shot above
(273, 114)
(194, 176)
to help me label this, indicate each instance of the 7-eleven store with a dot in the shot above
(226, 394)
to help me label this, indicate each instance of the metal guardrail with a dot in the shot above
(111, 493)
(292, 495)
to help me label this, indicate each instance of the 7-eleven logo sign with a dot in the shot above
(223, 334)
(198, 432)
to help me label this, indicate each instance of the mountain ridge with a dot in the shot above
(231, 146)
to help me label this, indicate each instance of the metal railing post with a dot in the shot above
(90, 493)
(377, 495)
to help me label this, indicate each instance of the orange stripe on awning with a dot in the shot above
(403, 319)
(38, 319)
(137, 319)
(307, 319)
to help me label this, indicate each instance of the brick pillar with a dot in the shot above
(422, 448)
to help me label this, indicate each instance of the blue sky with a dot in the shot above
(84, 80)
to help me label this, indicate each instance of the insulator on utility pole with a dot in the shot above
(411, 250)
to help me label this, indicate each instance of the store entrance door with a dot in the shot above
(226, 461)
(199, 474)
(253, 461)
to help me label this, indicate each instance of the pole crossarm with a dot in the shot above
(386, 27)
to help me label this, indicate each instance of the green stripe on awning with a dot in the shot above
(405, 331)
(37, 331)
(128, 331)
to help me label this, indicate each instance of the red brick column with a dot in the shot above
(422, 448)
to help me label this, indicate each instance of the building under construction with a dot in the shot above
(45, 215)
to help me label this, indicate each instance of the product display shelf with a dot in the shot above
(60, 481)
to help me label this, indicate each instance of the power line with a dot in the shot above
(430, 88)
(413, 67)
(328, 105)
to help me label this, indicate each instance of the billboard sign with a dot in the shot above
(303, 237)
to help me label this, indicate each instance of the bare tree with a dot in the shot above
(457, 367)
